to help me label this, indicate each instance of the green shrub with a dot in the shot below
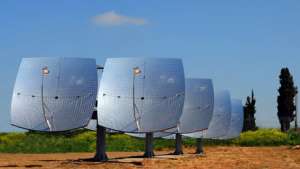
(293, 138)
(85, 141)
(262, 137)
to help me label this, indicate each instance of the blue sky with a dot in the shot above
(241, 45)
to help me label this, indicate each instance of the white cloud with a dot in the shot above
(111, 18)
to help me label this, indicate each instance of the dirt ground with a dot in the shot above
(214, 158)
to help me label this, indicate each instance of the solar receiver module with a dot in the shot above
(139, 95)
(237, 119)
(54, 94)
(221, 117)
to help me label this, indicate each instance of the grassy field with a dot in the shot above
(84, 141)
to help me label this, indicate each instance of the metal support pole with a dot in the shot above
(100, 137)
(149, 146)
(100, 144)
(178, 144)
(199, 144)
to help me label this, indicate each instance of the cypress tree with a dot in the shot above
(249, 113)
(286, 106)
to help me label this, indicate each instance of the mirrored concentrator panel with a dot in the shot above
(54, 94)
(237, 119)
(198, 105)
(221, 117)
(220, 122)
(141, 94)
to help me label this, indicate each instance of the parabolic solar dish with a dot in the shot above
(221, 117)
(54, 94)
(197, 109)
(141, 94)
(198, 105)
(237, 119)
